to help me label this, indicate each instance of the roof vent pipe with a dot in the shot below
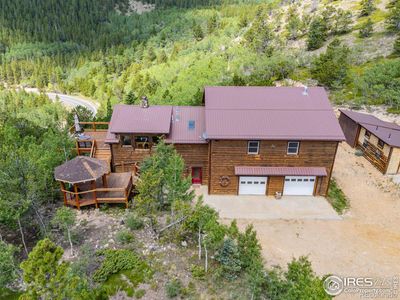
(144, 102)
(305, 92)
(390, 135)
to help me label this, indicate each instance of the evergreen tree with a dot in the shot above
(229, 258)
(330, 68)
(212, 23)
(8, 266)
(47, 277)
(198, 32)
(367, 7)
(366, 29)
(130, 98)
(317, 34)
(393, 18)
(396, 46)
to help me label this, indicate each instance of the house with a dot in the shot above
(243, 140)
(378, 140)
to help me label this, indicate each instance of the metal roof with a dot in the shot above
(181, 132)
(81, 169)
(135, 119)
(386, 131)
(280, 171)
(270, 113)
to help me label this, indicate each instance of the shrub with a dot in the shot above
(140, 293)
(124, 237)
(173, 288)
(133, 221)
(337, 198)
(116, 261)
(198, 272)
(8, 265)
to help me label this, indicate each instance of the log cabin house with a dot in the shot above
(378, 140)
(243, 140)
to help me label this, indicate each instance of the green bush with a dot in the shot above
(140, 293)
(337, 198)
(116, 261)
(124, 237)
(198, 272)
(173, 288)
(133, 221)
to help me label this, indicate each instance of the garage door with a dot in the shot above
(299, 185)
(249, 185)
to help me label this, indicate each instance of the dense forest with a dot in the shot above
(172, 51)
(115, 51)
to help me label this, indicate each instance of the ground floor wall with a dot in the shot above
(125, 158)
(226, 154)
(394, 162)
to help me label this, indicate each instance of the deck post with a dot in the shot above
(63, 192)
(76, 196)
(77, 147)
(104, 179)
(94, 193)
(126, 198)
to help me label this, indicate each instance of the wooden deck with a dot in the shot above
(116, 188)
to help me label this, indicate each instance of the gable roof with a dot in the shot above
(386, 131)
(278, 113)
(135, 119)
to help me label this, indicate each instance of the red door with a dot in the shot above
(196, 175)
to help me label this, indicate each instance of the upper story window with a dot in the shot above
(381, 144)
(191, 125)
(367, 134)
(253, 147)
(293, 148)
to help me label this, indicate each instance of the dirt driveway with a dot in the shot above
(365, 243)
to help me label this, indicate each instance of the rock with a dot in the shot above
(122, 222)
(111, 241)
(184, 244)
(105, 246)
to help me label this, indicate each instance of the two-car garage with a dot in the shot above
(290, 181)
(293, 185)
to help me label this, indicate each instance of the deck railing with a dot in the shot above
(96, 195)
(91, 126)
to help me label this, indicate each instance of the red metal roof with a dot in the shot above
(386, 131)
(180, 131)
(270, 113)
(135, 119)
(280, 171)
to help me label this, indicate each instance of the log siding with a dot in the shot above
(226, 154)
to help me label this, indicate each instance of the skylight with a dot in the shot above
(191, 125)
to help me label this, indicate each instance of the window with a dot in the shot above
(378, 154)
(365, 143)
(381, 144)
(126, 140)
(293, 148)
(191, 124)
(367, 134)
(253, 147)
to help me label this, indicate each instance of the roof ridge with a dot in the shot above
(387, 127)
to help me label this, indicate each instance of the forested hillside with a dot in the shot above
(170, 53)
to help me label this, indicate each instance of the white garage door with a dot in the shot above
(299, 185)
(249, 185)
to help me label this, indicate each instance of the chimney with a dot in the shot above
(305, 92)
(144, 102)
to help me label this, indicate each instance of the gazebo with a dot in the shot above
(87, 181)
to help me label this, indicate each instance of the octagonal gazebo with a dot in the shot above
(88, 181)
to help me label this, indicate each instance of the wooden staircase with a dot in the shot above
(103, 154)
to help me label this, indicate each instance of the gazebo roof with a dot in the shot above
(81, 169)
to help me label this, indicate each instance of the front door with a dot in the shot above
(196, 175)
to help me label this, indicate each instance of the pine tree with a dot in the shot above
(130, 98)
(367, 7)
(212, 23)
(198, 32)
(393, 18)
(317, 34)
(396, 46)
(366, 29)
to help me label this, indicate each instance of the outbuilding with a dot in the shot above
(378, 140)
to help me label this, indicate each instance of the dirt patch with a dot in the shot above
(366, 242)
